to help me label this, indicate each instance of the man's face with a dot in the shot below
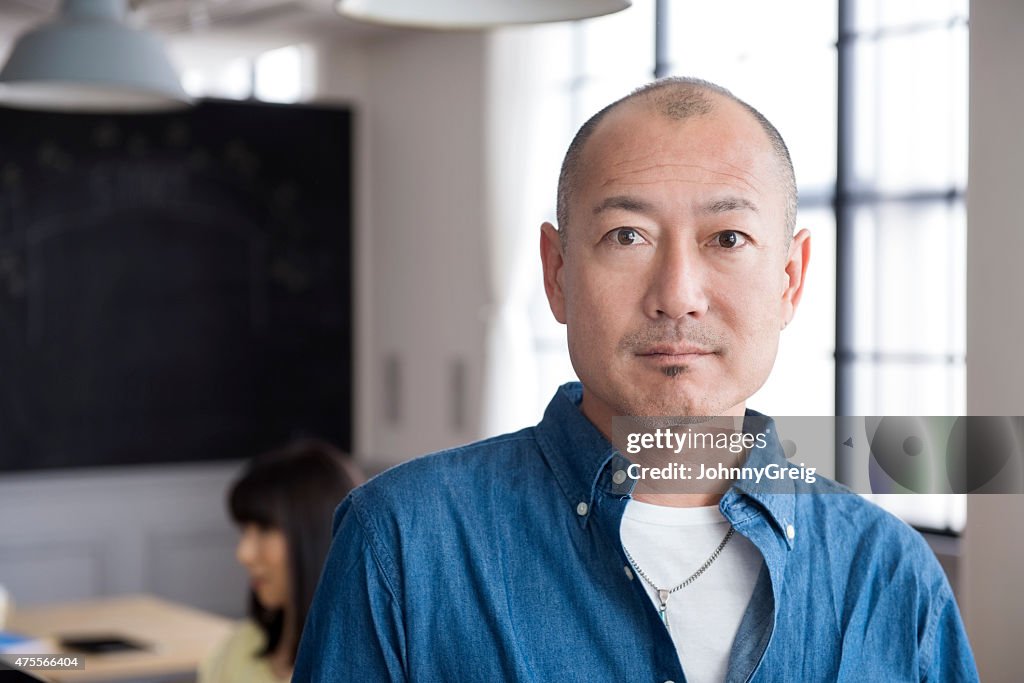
(676, 279)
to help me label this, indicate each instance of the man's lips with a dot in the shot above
(674, 351)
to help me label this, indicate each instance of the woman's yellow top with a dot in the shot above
(237, 661)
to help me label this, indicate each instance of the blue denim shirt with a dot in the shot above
(501, 561)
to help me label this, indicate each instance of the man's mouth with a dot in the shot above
(674, 351)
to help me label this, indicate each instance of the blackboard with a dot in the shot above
(173, 287)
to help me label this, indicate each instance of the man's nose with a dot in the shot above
(678, 284)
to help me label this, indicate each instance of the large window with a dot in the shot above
(871, 97)
(902, 176)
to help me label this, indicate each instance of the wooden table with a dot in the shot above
(179, 637)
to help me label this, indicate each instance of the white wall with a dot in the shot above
(74, 534)
(425, 113)
(993, 560)
(420, 213)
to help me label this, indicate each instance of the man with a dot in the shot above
(531, 557)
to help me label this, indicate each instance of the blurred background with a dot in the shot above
(361, 205)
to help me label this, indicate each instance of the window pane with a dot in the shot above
(232, 80)
(871, 15)
(780, 58)
(620, 43)
(909, 279)
(279, 75)
(802, 109)
(737, 27)
(881, 388)
(910, 118)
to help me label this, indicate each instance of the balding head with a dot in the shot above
(676, 99)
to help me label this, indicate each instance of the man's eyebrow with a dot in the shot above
(726, 204)
(625, 203)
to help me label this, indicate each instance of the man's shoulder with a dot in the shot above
(870, 535)
(454, 477)
(837, 504)
(459, 465)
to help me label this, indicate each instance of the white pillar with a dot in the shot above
(993, 560)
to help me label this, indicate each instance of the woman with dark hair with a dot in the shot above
(283, 503)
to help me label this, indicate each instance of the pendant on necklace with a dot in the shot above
(663, 598)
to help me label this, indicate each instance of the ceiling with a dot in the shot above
(231, 18)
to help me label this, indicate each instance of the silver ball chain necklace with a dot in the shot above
(665, 593)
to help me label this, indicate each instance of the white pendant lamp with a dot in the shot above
(88, 60)
(470, 14)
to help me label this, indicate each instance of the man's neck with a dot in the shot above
(600, 415)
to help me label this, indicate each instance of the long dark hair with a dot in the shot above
(294, 489)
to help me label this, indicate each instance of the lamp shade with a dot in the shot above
(88, 60)
(468, 14)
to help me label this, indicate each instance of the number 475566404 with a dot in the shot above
(49, 662)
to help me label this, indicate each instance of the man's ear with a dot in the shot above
(553, 260)
(796, 270)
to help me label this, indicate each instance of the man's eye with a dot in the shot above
(626, 237)
(730, 239)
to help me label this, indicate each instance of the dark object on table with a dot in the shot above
(100, 644)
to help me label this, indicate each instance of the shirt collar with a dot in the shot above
(578, 453)
(777, 498)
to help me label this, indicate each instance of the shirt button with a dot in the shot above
(581, 509)
(790, 531)
(619, 476)
(629, 572)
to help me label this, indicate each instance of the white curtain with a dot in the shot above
(524, 150)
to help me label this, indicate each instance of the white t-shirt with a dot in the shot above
(669, 544)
